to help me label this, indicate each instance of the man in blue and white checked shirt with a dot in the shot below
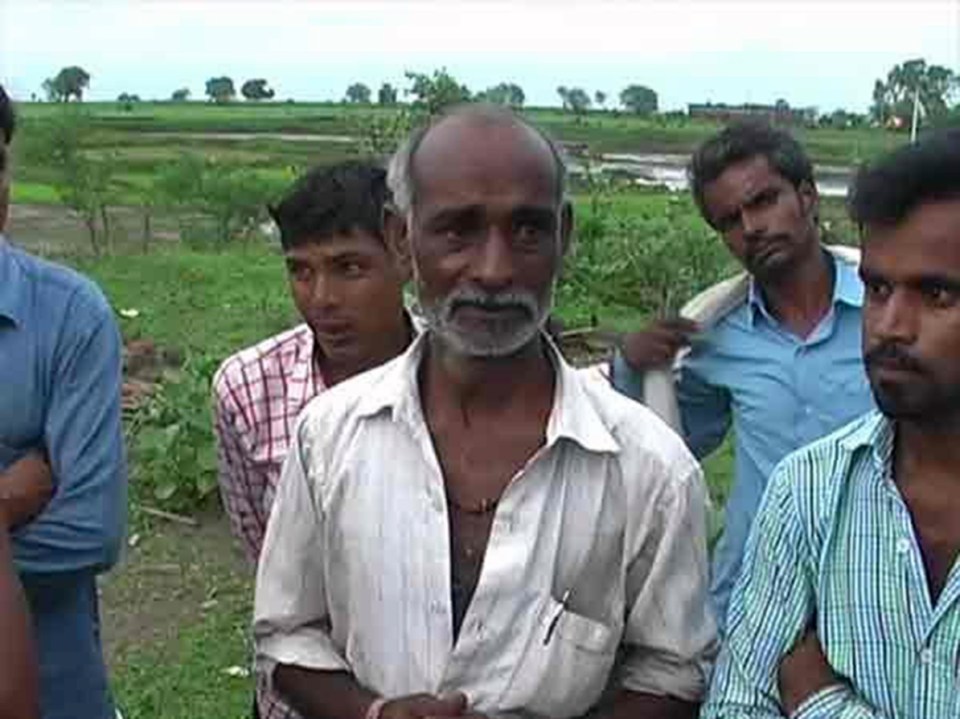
(849, 602)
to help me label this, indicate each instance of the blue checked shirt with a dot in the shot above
(834, 539)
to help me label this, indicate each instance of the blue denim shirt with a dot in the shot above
(778, 391)
(60, 379)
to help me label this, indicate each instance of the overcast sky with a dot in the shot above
(824, 53)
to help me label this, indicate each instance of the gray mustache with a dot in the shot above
(499, 301)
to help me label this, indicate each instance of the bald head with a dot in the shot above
(462, 136)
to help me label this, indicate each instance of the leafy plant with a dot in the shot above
(172, 440)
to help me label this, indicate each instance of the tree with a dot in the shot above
(434, 92)
(127, 100)
(180, 95)
(600, 97)
(931, 84)
(575, 99)
(256, 90)
(387, 94)
(69, 82)
(82, 180)
(220, 89)
(506, 93)
(358, 94)
(639, 99)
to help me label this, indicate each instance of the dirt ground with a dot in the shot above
(169, 575)
(56, 231)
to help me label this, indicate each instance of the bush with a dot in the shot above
(646, 251)
(172, 441)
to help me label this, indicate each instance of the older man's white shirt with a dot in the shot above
(355, 569)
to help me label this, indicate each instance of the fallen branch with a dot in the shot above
(170, 516)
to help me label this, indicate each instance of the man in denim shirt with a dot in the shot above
(780, 361)
(62, 471)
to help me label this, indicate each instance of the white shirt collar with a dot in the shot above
(572, 416)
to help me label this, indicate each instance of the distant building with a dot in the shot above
(780, 113)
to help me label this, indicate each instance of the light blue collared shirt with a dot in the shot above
(60, 370)
(778, 391)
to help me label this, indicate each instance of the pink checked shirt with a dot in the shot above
(257, 394)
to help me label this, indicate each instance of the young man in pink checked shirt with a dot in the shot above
(348, 287)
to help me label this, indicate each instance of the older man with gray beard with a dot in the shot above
(475, 528)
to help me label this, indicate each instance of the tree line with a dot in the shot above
(932, 88)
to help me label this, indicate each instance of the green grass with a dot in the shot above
(195, 301)
(603, 131)
(186, 678)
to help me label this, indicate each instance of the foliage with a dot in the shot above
(380, 135)
(649, 252)
(82, 181)
(387, 94)
(256, 89)
(639, 99)
(180, 94)
(172, 439)
(229, 194)
(931, 84)
(841, 119)
(505, 93)
(358, 93)
(127, 100)
(220, 89)
(600, 98)
(575, 99)
(432, 93)
(69, 82)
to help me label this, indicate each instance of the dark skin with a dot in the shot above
(912, 350)
(490, 221)
(25, 488)
(349, 289)
(19, 682)
(770, 227)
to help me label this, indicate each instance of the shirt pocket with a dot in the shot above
(566, 665)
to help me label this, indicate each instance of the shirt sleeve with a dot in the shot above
(835, 702)
(704, 409)
(670, 634)
(771, 607)
(291, 616)
(81, 528)
(241, 488)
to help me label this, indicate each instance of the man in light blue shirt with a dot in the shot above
(848, 605)
(62, 470)
(781, 365)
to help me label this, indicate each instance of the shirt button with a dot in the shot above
(903, 545)
(436, 607)
(926, 655)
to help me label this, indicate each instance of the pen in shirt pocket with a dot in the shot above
(556, 617)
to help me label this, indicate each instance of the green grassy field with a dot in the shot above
(141, 141)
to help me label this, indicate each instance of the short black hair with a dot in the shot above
(332, 200)
(741, 141)
(884, 192)
(8, 123)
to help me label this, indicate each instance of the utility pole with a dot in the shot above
(916, 115)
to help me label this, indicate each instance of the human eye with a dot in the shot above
(939, 294)
(876, 288)
(299, 271)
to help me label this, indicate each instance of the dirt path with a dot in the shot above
(169, 575)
